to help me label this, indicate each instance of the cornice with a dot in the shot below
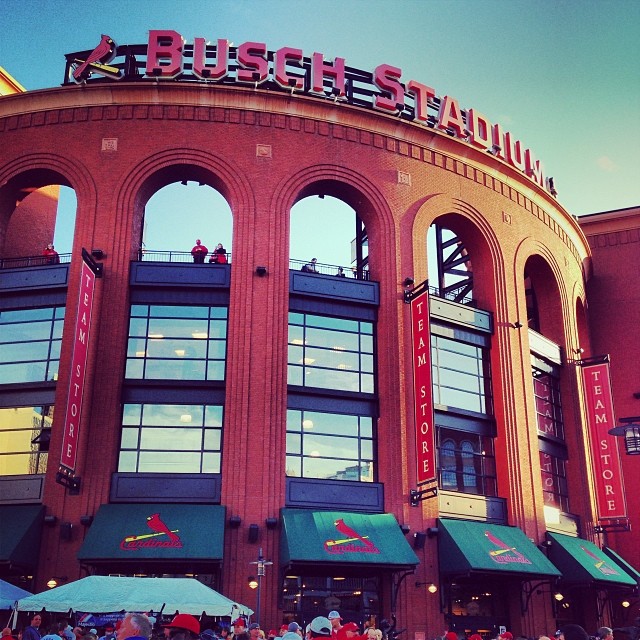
(311, 116)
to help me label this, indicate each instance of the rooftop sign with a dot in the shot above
(167, 57)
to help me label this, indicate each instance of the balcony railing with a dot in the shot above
(172, 256)
(330, 269)
(34, 261)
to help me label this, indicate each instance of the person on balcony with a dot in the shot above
(219, 255)
(51, 255)
(199, 252)
(310, 267)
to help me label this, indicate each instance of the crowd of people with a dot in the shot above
(140, 626)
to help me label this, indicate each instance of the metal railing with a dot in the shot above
(452, 295)
(172, 256)
(329, 269)
(34, 261)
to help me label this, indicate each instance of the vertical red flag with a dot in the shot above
(422, 390)
(78, 369)
(605, 458)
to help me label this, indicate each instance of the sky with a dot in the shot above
(562, 75)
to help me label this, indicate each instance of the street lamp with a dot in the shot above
(630, 431)
(261, 563)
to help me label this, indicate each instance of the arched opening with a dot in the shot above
(325, 225)
(544, 313)
(180, 213)
(38, 209)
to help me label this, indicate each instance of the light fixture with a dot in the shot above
(271, 523)
(184, 182)
(431, 586)
(98, 254)
(405, 528)
(261, 271)
(626, 604)
(260, 563)
(235, 522)
(50, 520)
(408, 281)
(630, 431)
(86, 521)
(578, 351)
(517, 324)
(558, 596)
(66, 530)
(52, 583)
(419, 539)
(253, 583)
(432, 532)
(254, 533)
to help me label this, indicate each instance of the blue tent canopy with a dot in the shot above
(9, 593)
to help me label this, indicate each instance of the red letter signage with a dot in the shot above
(78, 368)
(604, 447)
(423, 394)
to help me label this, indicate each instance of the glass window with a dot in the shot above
(461, 377)
(30, 342)
(169, 438)
(466, 462)
(330, 446)
(546, 389)
(25, 433)
(554, 481)
(176, 342)
(330, 353)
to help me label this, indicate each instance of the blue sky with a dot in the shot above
(562, 76)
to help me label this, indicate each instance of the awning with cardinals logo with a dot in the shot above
(131, 532)
(322, 537)
(466, 547)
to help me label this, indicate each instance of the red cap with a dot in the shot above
(350, 626)
(507, 635)
(475, 636)
(185, 621)
(451, 635)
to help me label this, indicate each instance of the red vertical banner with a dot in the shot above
(78, 369)
(605, 457)
(422, 390)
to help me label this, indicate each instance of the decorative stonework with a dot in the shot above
(296, 124)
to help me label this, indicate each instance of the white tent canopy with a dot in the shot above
(9, 593)
(105, 594)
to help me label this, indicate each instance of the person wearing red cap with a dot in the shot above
(451, 635)
(184, 626)
(135, 626)
(507, 635)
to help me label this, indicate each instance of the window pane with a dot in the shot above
(168, 462)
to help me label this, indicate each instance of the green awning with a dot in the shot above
(131, 532)
(466, 547)
(321, 537)
(581, 561)
(20, 539)
(632, 571)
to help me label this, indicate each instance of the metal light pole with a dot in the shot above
(261, 564)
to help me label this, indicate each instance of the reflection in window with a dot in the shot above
(554, 481)
(169, 438)
(546, 389)
(460, 375)
(30, 342)
(176, 342)
(330, 353)
(330, 446)
(466, 462)
(307, 596)
(25, 433)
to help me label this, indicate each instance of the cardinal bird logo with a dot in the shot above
(504, 554)
(599, 564)
(148, 540)
(353, 542)
(97, 61)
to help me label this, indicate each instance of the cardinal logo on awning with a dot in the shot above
(504, 554)
(155, 539)
(601, 565)
(353, 542)
(97, 61)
